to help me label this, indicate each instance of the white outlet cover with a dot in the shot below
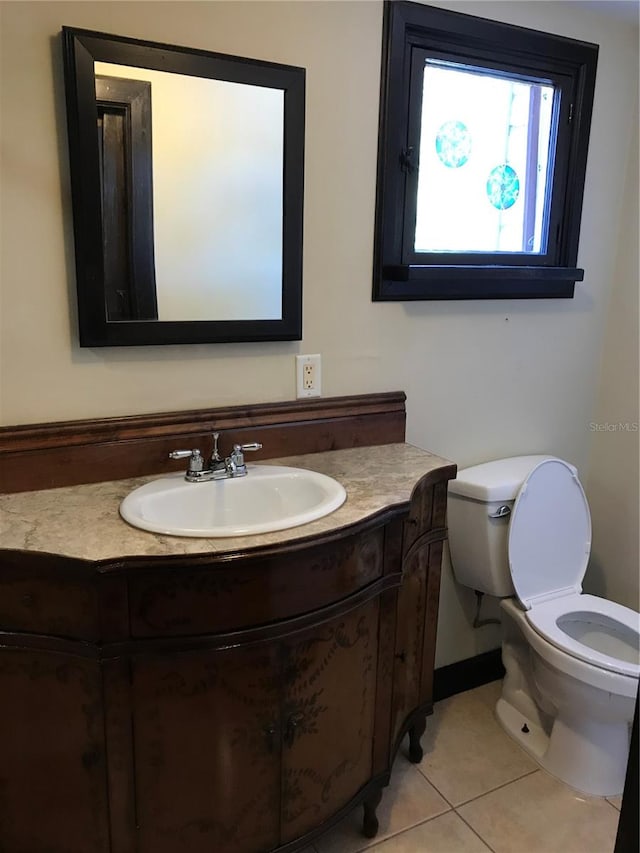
(308, 375)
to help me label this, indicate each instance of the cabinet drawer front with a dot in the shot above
(183, 601)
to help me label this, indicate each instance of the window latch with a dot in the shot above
(407, 163)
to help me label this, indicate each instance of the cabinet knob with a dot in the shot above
(271, 734)
(402, 656)
(292, 725)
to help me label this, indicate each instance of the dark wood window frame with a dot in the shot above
(412, 30)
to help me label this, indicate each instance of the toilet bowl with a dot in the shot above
(520, 529)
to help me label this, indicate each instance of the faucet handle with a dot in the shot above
(196, 462)
(236, 460)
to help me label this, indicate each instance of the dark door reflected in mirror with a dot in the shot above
(126, 191)
(187, 183)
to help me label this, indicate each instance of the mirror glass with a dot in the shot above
(187, 179)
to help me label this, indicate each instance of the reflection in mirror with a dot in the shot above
(186, 174)
(216, 149)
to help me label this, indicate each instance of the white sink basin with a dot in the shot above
(268, 498)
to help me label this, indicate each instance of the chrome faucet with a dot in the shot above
(217, 467)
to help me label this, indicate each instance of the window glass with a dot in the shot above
(485, 172)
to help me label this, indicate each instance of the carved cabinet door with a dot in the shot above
(329, 681)
(207, 750)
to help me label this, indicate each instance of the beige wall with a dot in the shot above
(483, 379)
(613, 479)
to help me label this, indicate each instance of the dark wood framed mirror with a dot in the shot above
(187, 172)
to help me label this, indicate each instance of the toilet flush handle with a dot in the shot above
(501, 512)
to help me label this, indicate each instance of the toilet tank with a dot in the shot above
(479, 523)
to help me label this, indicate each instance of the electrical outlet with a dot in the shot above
(308, 376)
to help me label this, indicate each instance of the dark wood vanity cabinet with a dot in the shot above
(229, 703)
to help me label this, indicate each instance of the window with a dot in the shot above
(484, 131)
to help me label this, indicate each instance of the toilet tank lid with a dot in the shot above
(499, 480)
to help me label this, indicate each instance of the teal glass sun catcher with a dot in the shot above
(503, 187)
(453, 144)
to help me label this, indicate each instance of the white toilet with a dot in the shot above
(520, 529)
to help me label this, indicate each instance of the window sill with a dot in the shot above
(405, 283)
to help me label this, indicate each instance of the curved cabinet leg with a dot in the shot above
(370, 821)
(415, 733)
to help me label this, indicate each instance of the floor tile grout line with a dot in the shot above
(435, 787)
(471, 799)
(380, 841)
(408, 829)
(475, 831)
(504, 784)
(497, 788)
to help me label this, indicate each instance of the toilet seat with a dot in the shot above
(549, 534)
(549, 546)
(546, 618)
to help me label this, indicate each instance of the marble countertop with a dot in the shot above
(84, 522)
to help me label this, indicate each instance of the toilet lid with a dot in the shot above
(549, 534)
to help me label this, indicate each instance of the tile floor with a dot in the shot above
(476, 790)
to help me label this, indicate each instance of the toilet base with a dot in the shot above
(573, 753)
